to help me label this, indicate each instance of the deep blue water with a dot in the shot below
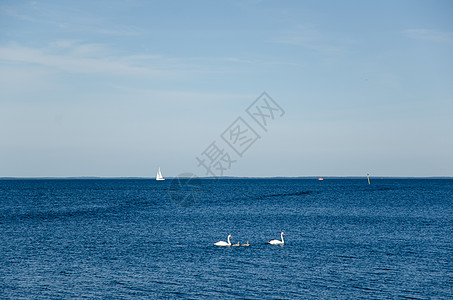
(128, 239)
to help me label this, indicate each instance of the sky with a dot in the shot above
(121, 88)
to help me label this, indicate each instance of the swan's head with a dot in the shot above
(230, 235)
(283, 233)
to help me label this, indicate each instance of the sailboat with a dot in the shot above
(159, 175)
(368, 177)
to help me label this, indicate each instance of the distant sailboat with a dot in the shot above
(368, 177)
(159, 175)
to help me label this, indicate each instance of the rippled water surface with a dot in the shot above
(130, 239)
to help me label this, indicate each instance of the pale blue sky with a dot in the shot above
(120, 88)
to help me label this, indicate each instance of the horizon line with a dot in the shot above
(226, 177)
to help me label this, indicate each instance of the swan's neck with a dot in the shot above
(228, 239)
(282, 237)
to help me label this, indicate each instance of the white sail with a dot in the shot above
(159, 175)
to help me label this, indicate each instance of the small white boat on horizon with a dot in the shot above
(159, 175)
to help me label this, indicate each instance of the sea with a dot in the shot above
(148, 239)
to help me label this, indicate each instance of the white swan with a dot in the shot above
(222, 243)
(277, 242)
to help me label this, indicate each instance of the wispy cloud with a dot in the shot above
(13, 14)
(79, 49)
(223, 60)
(65, 19)
(77, 57)
(430, 35)
(74, 57)
(309, 38)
